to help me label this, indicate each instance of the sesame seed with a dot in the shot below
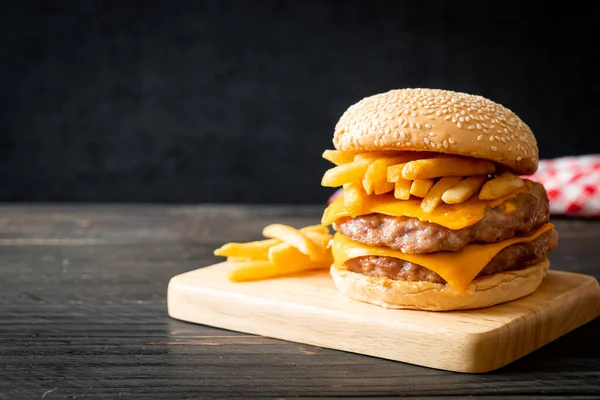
(445, 143)
(403, 135)
(470, 127)
(427, 126)
(491, 138)
(480, 138)
(499, 131)
(478, 126)
(510, 148)
(467, 119)
(414, 114)
(438, 113)
(451, 140)
(426, 140)
(503, 139)
(433, 144)
(461, 119)
(411, 124)
(418, 124)
(386, 130)
(519, 158)
(493, 148)
(447, 117)
(431, 133)
(459, 125)
(454, 119)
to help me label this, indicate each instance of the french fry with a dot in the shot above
(420, 187)
(375, 180)
(402, 189)
(284, 255)
(367, 184)
(500, 186)
(382, 187)
(319, 238)
(297, 239)
(463, 190)
(237, 259)
(256, 270)
(353, 198)
(434, 196)
(338, 157)
(446, 166)
(252, 270)
(257, 250)
(394, 172)
(284, 252)
(295, 252)
(322, 229)
(345, 173)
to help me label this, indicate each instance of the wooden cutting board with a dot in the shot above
(308, 309)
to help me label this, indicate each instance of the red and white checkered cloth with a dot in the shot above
(572, 183)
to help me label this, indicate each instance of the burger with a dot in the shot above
(435, 212)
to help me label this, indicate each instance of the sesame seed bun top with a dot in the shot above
(440, 121)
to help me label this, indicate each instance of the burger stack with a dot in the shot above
(434, 215)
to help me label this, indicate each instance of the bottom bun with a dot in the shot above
(482, 292)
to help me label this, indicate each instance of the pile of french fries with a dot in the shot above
(433, 177)
(286, 250)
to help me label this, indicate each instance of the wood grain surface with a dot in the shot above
(307, 308)
(83, 315)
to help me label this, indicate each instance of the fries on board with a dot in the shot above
(409, 174)
(286, 251)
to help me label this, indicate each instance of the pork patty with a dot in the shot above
(516, 256)
(413, 236)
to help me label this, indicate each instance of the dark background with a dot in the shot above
(234, 101)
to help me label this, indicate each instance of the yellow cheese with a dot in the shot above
(451, 216)
(509, 208)
(457, 268)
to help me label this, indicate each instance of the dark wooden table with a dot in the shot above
(83, 315)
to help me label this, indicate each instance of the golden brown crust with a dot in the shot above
(482, 292)
(440, 121)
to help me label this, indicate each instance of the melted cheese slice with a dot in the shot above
(451, 216)
(457, 268)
